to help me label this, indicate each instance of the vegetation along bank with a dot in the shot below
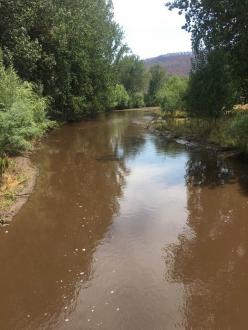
(212, 104)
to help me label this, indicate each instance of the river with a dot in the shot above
(127, 230)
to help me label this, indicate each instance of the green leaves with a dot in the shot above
(132, 74)
(120, 98)
(220, 25)
(238, 131)
(171, 95)
(66, 47)
(211, 90)
(158, 78)
(22, 114)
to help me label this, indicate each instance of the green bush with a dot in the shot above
(137, 100)
(79, 108)
(171, 95)
(22, 112)
(211, 90)
(238, 131)
(120, 97)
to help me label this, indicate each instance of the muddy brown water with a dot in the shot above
(126, 230)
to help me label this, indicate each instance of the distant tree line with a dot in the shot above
(140, 87)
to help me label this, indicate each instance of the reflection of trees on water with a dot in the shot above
(43, 262)
(204, 169)
(210, 258)
(167, 146)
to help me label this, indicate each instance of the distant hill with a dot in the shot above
(176, 63)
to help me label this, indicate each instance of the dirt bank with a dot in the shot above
(15, 187)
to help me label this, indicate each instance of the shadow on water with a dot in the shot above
(47, 256)
(210, 257)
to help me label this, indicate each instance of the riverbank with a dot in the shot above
(145, 109)
(205, 133)
(16, 185)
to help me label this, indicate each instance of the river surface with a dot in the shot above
(127, 230)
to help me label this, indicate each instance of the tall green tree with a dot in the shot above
(171, 96)
(22, 113)
(158, 77)
(68, 48)
(132, 74)
(219, 25)
(211, 90)
(120, 98)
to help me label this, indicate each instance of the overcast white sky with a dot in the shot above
(150, 28)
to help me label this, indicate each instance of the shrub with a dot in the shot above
(137, 100)
(120, 97)
(238, 131)
(211, 90)
(79, 108)
(22, 112)
(171, 95)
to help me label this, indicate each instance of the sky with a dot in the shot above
(150, 28)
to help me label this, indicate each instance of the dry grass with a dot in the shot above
(11, 183)
(241, 108)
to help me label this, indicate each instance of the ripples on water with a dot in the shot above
(126, 230)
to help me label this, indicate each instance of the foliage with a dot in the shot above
(238, 131)
(132, 74)
(120, 97)
(66, 47)
(137, 100)
(22, 113)
(171, 95)
(158, 77)
(211, 90)
(219, 25)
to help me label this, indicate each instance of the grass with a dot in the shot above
(11, 182)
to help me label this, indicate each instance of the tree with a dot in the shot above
(158, 77)
(137, 100)
(211, 90)
(219, 25)
(171, 95)
(132, 74)
(120, 97)
(22, 112)
(68, 48)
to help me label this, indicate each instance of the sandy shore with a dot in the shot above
(17, 185)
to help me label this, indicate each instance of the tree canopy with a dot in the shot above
(158, 77)
(219, 25)
(211, 90)
(67, 48)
